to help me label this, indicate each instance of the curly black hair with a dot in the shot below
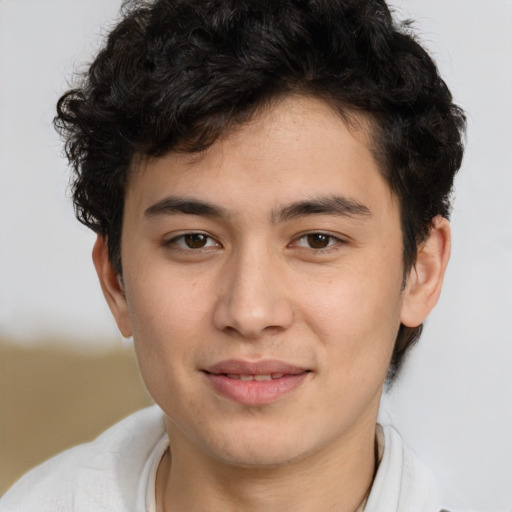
(178, 74)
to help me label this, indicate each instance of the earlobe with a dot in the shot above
(112, 286)
(425, 279)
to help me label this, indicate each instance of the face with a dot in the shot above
(262, 284)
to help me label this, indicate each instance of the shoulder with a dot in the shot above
(403, 483)
(102, 475)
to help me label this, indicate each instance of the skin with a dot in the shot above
(261, 289)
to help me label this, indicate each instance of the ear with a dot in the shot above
(425, 279)
(112, 286)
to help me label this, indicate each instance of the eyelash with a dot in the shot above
(180, 242)
(184, 246)
(332, 241)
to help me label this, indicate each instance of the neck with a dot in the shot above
(337, 478)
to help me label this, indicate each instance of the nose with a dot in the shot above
(253, 299)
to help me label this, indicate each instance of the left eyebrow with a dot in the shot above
(329, 205)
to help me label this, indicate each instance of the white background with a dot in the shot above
(453, 402)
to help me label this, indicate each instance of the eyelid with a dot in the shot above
(212, 242)
(335, 239)
(175, 238)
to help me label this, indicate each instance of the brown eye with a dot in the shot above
(195, 240)
(318, 240)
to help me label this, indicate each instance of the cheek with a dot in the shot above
(356, 327)
(167, 321)
(356, 316)
(164, 306)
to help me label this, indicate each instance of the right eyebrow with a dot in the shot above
(171, 205)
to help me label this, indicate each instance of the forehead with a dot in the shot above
(295, 148)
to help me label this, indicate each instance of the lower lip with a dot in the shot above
(254, 392)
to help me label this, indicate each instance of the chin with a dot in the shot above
(258, 457)
(261, 447)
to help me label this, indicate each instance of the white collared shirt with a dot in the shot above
(117, 473)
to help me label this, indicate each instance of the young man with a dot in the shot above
(269, 182)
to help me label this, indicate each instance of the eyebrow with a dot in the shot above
(182, 205)
(328, 205)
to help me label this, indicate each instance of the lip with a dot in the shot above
(226, 379)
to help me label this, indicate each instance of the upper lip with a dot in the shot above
(266, 367)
